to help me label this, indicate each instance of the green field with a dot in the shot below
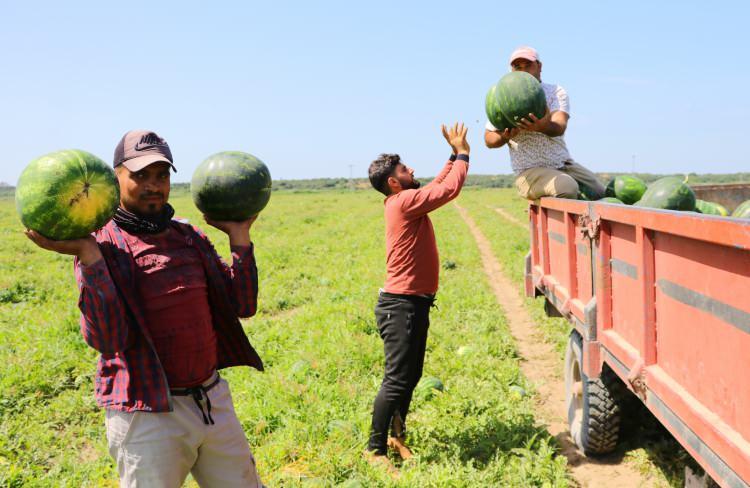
(321, 260)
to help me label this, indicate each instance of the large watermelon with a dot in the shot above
(628, 189)
(743, 211)
(514, 97)
(231, 185)
(710, 208)
(670, 193)
(67, 194)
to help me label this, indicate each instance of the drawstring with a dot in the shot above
(197, 394)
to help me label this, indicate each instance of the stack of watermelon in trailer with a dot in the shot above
(672, 193)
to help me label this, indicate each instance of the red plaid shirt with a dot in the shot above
(129, 375)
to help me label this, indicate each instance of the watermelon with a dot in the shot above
(628, 189)
(585, 192)
(427, 386)
(743, 211)
(670, 193)
(67, 194)
(710, 208)
(514, 97)
(231, 185)
(493, 111)
(610, 200)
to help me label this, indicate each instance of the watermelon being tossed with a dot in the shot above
(67, 194)
(669, 193)
(628, 189)
(231, 185)
(514, 97)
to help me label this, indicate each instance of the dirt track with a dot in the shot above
(542, 365)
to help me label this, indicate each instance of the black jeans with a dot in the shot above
(403, 321)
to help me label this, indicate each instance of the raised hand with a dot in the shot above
(238, 232)
(456, 137)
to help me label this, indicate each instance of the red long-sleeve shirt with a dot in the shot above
(411, 252)
(129, 375)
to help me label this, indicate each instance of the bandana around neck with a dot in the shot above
(138, 224)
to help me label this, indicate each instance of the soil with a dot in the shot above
(543, 367)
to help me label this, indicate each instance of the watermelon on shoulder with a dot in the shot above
(231, 185)
(669, 193)
(67, 194)
(513, 98)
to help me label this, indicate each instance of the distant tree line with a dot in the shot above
(472, 181)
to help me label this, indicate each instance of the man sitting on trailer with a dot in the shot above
(538, 153)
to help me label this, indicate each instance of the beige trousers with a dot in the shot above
(535, 183)
(160, 449)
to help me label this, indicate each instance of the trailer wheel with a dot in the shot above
(593, 404)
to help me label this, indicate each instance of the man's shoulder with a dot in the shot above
(552, 88)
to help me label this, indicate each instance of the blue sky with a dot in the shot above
(320, 89)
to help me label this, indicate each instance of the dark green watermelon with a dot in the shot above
(743, 211)
(669, 193)
(427, 387)
(628, 189)
(67, 194)
(710, 208)
(514, 97)
(610, 200)
(493, 111)
(231, 185)
(585, 192)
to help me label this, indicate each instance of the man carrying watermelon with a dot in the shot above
(402, 311)
(163, 310)
(538, 153)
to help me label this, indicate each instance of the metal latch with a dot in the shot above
(589, 227)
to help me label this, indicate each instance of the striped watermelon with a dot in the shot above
(231, 185)
(514, 97)
(670, 193)
(710, 208)
(67, 194)
(743, 211)
(628, 189)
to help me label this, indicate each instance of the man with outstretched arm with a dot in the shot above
(403, 308)
(163, 310)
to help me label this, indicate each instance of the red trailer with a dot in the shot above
(660, 306)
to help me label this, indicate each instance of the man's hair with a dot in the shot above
(381, 169)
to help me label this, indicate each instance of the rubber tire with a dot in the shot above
(596, 427)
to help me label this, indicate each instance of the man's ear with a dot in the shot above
(393, 183)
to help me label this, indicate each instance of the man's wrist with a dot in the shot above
(463, 156)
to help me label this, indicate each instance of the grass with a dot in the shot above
(321, 261)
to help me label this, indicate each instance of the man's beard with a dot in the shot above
(413, 185)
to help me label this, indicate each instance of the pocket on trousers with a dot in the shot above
(409, 323)
(119, 426)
